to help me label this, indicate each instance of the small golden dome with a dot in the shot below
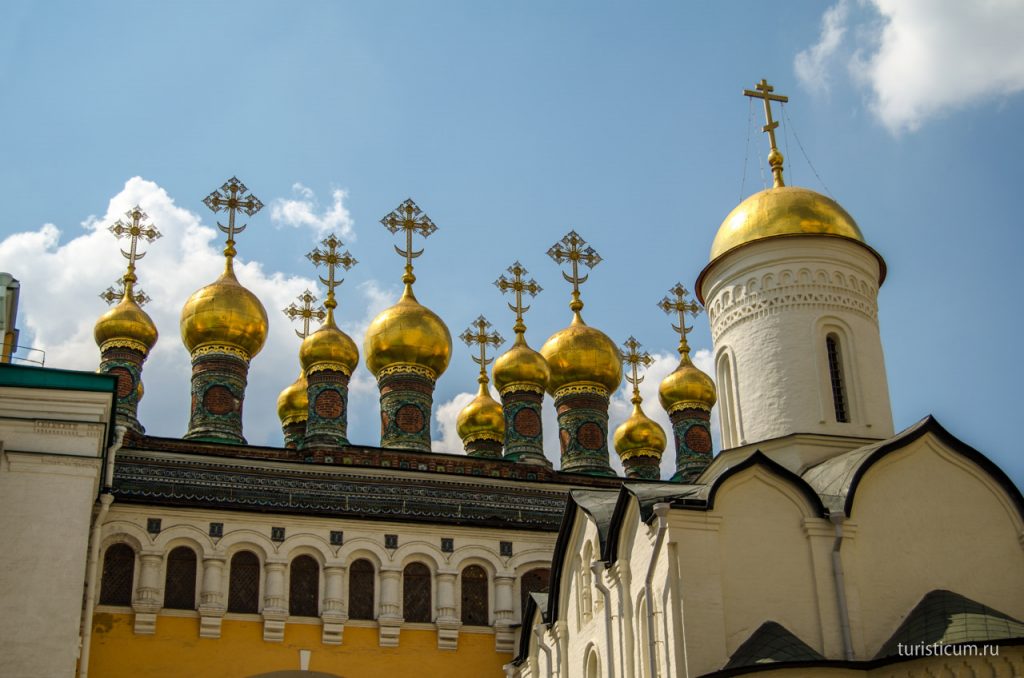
(520, 365)
(329, 347)
(126, 324)
(408, 333)
(581, 353)
(685, 387)
(639, 435)
(224, 313)
(481, 419)
(293, 404)
(783, 210)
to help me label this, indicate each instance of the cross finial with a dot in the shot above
(410, 218)
(233, 196)
(764, 91)
(679, 304)
(574, 249)
(477, 333)
(332, 259)
(633, 358)
(518, 286)
(135, 230)
(307, 312)
(112, 294)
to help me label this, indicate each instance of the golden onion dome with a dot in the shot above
(520, 365)
(330, 348)
(639, 435)
(781, 211)
(481, 419)
(582, 354)
(686, 387)
(293, 403)
(408, 333)
(224, 314)
(126, 324)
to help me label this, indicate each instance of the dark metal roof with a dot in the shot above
(772, 642)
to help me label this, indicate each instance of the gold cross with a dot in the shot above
(477, 333)
(134, 230)
(110, 295)
(575, 251)
(410, 218)
(332, 259)
(681, 306)
(764, 91)
(634, 358)
(518, 285)
(232, 196)
(306, 311)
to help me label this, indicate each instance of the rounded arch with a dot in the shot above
(474, 584)
(421, 551)
(363, 547)
(123, 531)
(727, 381)
(244, 580)
(304, 542)
(181, 564)
(842, 352)
(417, 591)
(527, 560)
(481, 555)
(176, 535)
(591, 662)
(118, 574)
(247, 539)
(304, 584)
(362, 586)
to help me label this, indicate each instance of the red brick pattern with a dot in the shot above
(590, 436)
(328, 404)
(698, 439)
(409, 419)
(527, 423)
(125, 383)
(219, 400)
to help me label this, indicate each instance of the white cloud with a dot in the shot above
(303, 211)
(447, 415)
(923, 58)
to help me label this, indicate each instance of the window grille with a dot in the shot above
(534, 581)
(180, 582)
(118, 574)
(416, 600)
(304, 588)
(244, 583)
(474, 596)
(835, 373)
(360, 589)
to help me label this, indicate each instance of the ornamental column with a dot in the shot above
(390, 617)
(275, 601)
(504, 637)
(481, 424)
(448, 624)
(148, 597)
(334, 615)
(211, 597)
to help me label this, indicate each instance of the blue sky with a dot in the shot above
(510, 123)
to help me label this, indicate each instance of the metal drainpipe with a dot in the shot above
(837, 572)
(661, 510)
(106, 499)
(538, 630)
(598, 568)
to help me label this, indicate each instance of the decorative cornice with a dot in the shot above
(406, 368)
(483, 435)
(208, 349)
(521, 387)
(125, 342)
(582, 387)
(688, 405)
(641, 452)
(329, 365)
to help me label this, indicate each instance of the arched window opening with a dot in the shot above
(835, 374)
(360, 589)
(593, 666)
(474, 596)
(534, 581)
(118, 575)
(244, 583)
(304, 588)
(416, 600)
(180, 582)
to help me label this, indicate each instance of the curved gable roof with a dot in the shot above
(759, 458)
(770, 643)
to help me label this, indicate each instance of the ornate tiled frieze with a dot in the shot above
(406, 397)
(583, 429)
(218, 391)
(327, 422)
(691, 427)
(524, 430)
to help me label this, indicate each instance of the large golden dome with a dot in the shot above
(408, 333)
(520, 365)
(482, 419)
(639, 435)
(783, 210)
(330, 348)
(225, 314)
(686, 387)
(582, 354)
(293, 403)
(126, 325)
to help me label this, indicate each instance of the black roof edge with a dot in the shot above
(759, 458)
(558, 557)
(611, 553)
(931, 425)
(525, 630)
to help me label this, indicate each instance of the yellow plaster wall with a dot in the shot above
(176, 650)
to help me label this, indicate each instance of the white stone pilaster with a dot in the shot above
(335, 614)
(390, 618)
(148, 596)
(211, 597)
(447, 623)
(504, 636)
(275, 602)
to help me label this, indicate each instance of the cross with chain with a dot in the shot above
(764, 92)
(680, 305)
(307, 312)
(410, 218)
(134, 230)
(574, 249)
(233, 196)
(332, 259)
(477, 333)
(518, 286)
(633, 358)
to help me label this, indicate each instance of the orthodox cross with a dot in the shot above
(134, 230)
(307, 312)
(764, 91)
(574, 249)
(233, 196)
(518, 286)
(633, 358)
(410, 218)
(332, 259)
(477, 333)
(679, 304)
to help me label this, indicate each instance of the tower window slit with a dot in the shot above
(835, 374)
